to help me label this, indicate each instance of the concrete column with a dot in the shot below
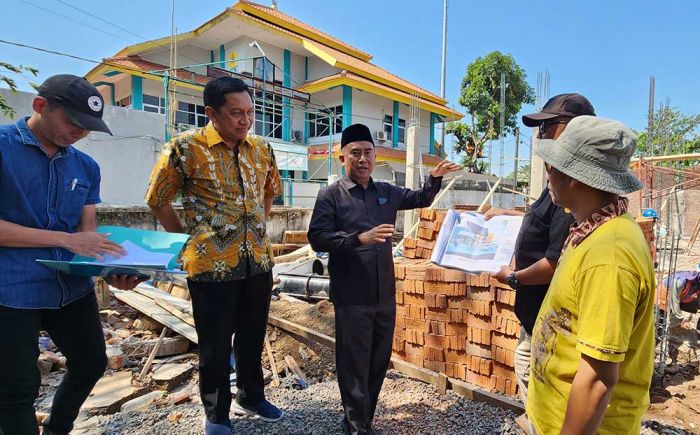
(412, 171)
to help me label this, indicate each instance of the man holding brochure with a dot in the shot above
(48, 192)
(353, 220)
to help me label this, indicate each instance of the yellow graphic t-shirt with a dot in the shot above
(600, 303)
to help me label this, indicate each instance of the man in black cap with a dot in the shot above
(353, 220)
(48, 192)
(542, 234)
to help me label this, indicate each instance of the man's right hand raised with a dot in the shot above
(378, 234)
(94, 245)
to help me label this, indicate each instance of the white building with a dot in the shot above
(308, 86)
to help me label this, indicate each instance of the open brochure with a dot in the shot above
(151, 254)
(471, 243)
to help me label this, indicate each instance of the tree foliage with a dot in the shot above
(674, 133)
(10, 82)
(481, 95)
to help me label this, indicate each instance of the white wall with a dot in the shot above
(319, 68)
(186, 55)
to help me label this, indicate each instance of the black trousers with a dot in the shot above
(77, 331)
(220, 310)
(363, 336)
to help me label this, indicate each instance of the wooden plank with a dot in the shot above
(475, 393)
(415, 372)
(300, 253)
(295, 236)
(302, 331)
(273, 366)
(167, 306)
(153, 293)
(150, 308)
(294, 367)
(149, 361)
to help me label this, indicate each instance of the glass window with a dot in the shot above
(402, 130)
(388, 125)
(318, 123)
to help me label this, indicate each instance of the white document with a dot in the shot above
(469, 242)
(137, 256)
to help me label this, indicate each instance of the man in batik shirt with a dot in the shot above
(228, 180)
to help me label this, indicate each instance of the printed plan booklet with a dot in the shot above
(151, 254)
(471, 243)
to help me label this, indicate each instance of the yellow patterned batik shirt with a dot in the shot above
(223, 195)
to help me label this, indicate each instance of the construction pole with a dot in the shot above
(412, 172)
(502, 120)
(444, 64)
(517, 160)
(648, 182)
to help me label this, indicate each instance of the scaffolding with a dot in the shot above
(278, 106)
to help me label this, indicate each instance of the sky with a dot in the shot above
(603, 49)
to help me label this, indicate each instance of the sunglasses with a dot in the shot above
(546, 125)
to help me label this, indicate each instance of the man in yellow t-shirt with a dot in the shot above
(593, 341)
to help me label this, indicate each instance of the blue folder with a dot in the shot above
(150, 254)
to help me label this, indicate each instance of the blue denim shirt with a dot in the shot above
(48, 193)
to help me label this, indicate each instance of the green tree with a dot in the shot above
(481, 95)
(674, 133)
(523, 175)
(4, 67)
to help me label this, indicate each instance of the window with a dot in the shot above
(319, 122)
(389, 128)
(153, 104)
(261, 64)
(190, 114)
(388, 125)
(268, 118)
(402, 130)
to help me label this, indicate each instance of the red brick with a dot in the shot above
(439, 341)
(458, 329)
(438, 327)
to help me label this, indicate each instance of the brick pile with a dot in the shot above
(647, 226)
(452, 322)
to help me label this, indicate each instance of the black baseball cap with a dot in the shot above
(81, 100)
(567, 105)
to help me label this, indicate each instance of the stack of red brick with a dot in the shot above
(647, 226)
(428, 229)
(451, 322)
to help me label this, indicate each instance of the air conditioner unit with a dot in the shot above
(297, 135)
(381, 135)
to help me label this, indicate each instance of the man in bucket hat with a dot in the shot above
(593, 341)
(542, 234)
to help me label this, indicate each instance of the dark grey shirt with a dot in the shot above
(361, 274)
(542, 234)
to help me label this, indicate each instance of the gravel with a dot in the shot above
(405, 406)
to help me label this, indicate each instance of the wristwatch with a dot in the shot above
(513, 281)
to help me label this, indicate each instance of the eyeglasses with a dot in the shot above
(546, 125)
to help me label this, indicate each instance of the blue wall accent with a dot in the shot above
(432, 134)
(286, 109)
(222, 57)
(211, 56)
(395, 126)
(137, 93)
(347, 106)
(112, 73)
(111, 90)
(306, 68)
